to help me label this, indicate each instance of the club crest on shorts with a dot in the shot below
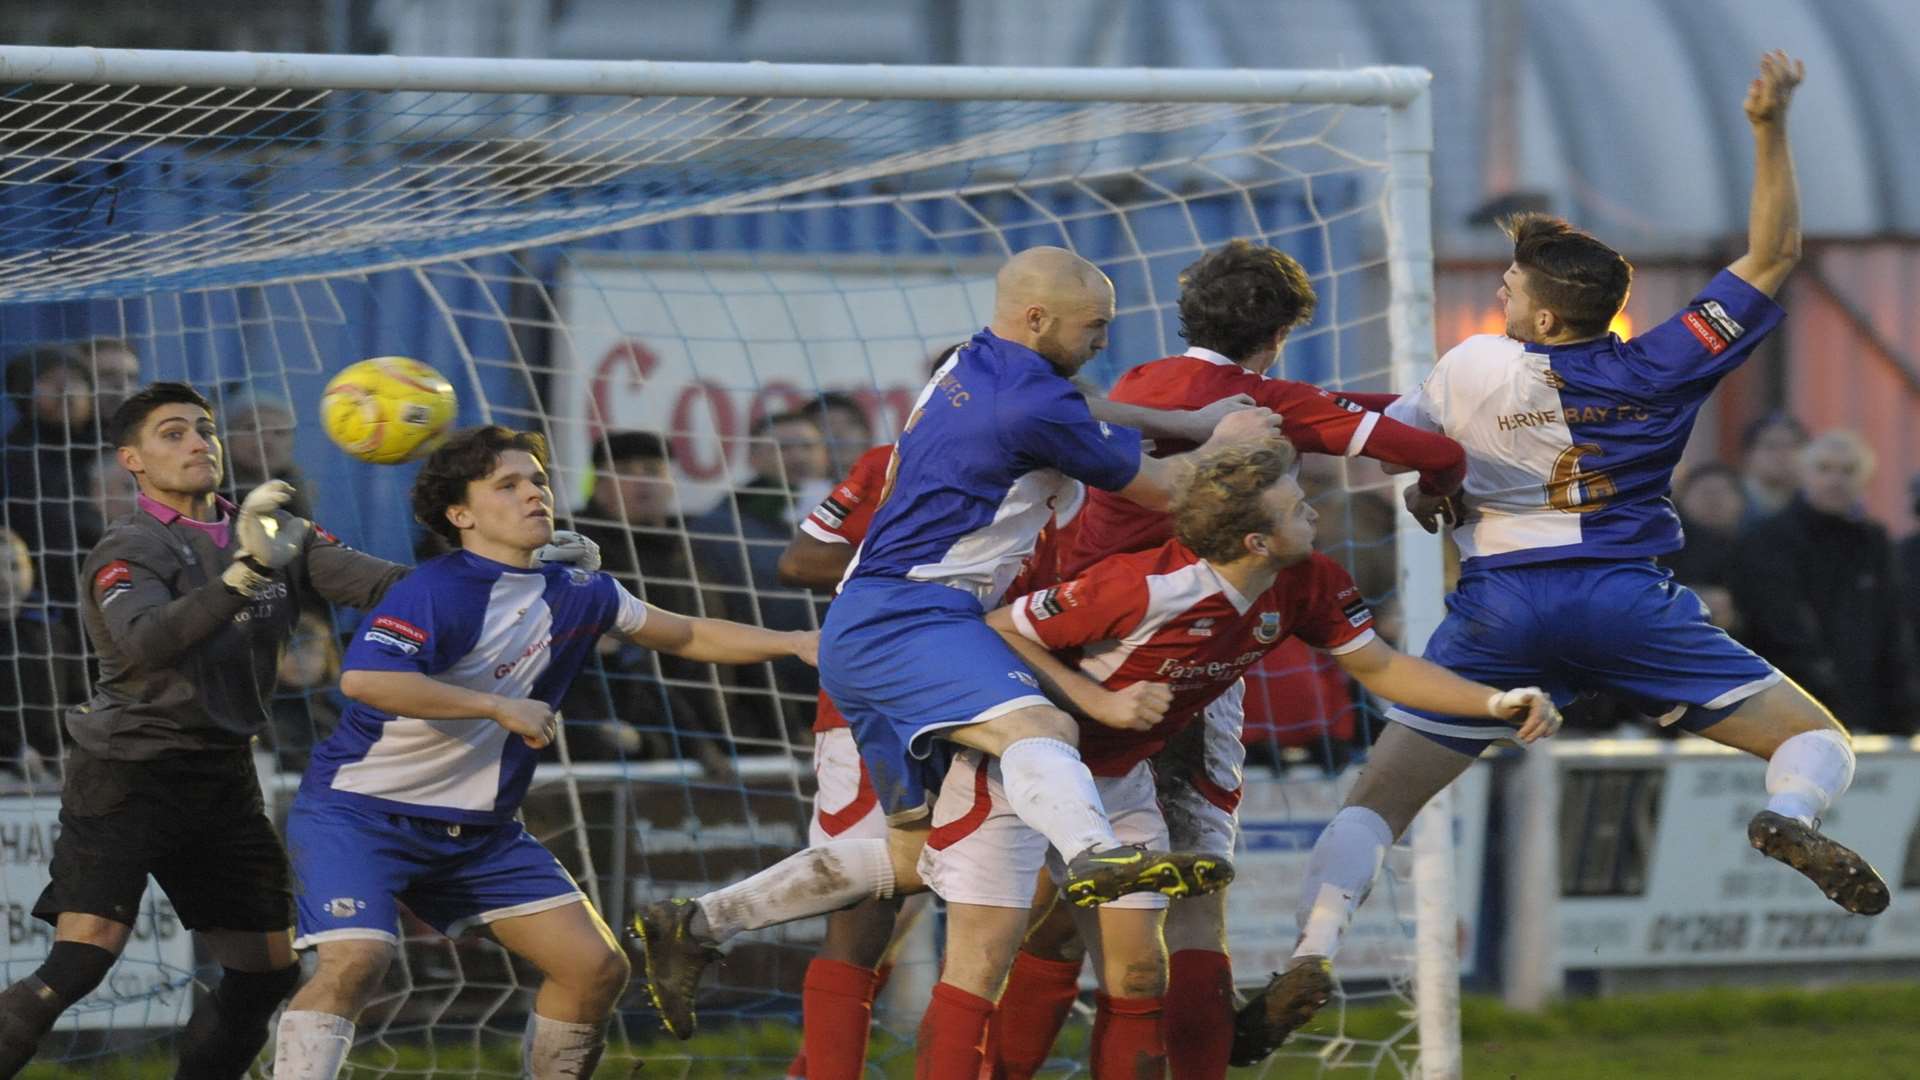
(1268, 631)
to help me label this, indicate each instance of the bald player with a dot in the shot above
(994, 440)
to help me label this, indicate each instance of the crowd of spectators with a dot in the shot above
(1779, 551)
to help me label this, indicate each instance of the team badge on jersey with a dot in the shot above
(1268, 631)
(113, 580)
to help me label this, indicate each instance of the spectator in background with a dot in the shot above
(1712, 504)
(1817, 586)
(643, 706)
(1909, 564)
(41, 672)
(736, 551)
(54, 438)
(847, 430)
(1771, 446)
(258, 429)
(115, 368)
(111, 489)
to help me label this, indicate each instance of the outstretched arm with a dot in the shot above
(717, 641)
(1185, 425)
(1421, 684)
(1159, 479)
(1773, 215)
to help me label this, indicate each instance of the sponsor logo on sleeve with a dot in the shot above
(112, 581)
(1044, 604)
(1347, 405)
(832, 512)
(321, 531)
(1357, 613)
(1723, 322)
(1268, 631)
(396, 634)
(1710, 339)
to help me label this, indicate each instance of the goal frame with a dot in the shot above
(1402, 91)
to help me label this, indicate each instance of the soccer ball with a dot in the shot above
(388, 410)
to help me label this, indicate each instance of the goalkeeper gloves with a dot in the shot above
(269, 537)
(572, 548)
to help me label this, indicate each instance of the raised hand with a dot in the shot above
(267, 537)
(1134, 708)
(1769, 93)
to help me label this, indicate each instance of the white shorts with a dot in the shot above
(845, 806)
(980, 852)
(1199, 776)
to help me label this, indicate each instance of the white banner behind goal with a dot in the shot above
(688, 249)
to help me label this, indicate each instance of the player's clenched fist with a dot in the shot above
(1136, 707)
(1768, 95)
(1530, 707)
(532, 720)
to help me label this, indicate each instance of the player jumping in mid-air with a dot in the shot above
(455, 675)
(1192, 614)
(1572, 436)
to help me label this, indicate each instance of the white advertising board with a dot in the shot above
(1280, 820)
(1709, 898)
(151, 986)
(699, 354)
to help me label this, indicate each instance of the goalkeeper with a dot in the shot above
(189, 602)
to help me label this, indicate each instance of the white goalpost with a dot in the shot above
(690, 250)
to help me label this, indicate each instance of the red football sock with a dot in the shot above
(1199, 1007)
(836, 1004)
(951, 1035)
(1127, 1039)
(1040, 993)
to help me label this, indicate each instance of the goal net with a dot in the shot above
(695, 252)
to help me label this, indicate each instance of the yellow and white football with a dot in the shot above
(388, 410)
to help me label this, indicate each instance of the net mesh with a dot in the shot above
(691, 267)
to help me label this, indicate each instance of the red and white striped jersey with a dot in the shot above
(843, 516)
(1167, 616)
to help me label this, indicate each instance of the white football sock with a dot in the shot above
(1807, 773)
(311, 1045)
(559, 1050)
(1340, 873)
(1051, 790)
(811, 882)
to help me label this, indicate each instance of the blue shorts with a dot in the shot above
(905, 659)
(1625, 629)
(350, 865)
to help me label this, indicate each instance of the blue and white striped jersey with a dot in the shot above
(1571, 448)
(478, 624)
(994, 443)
